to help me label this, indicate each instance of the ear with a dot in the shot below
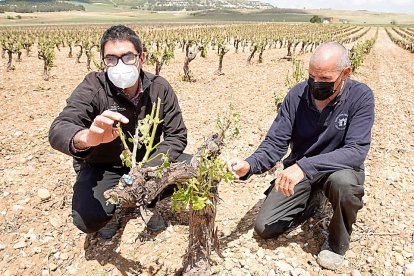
(347, 72)
(142, 57)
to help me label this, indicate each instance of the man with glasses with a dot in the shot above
(327, 123)
(85, 129)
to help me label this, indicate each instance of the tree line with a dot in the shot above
(38, 6)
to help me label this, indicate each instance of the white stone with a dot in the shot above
(19, 245)
(18, 133)
(271, 273)
(53, 266)
(370, 259)
(387, 263)
(356, 273)
(260, 253)
(399, 259)
(43, 194)
(72, 270)
(64, 256)
(351, 254)
(30, 235)
(409, 269)
(56, 255)
(55, 221)
(17, 207)
(301, 272)
(228, 264)
(283, 266)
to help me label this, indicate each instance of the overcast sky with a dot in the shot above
(405, 6)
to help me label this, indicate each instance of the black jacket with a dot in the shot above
(94, 95)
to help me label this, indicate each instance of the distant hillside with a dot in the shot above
(29, 6)
(177, 5)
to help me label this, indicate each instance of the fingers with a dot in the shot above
(277, 182)
(95, 129)
(232, 166)
(285, 184)
(238, 167)
(115, 116)
(106, 121)
(103, 122)
(229, 165)
(281, 183)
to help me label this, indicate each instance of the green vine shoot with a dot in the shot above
(200, 191)
(144, 136)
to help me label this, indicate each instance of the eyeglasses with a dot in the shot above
(127, 59)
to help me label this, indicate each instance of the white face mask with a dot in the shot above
(123, 76)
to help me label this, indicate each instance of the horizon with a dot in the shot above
(383, 6)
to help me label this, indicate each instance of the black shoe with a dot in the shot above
(110, 229)
(153, 219)
(156, 222)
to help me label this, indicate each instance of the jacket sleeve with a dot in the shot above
(276, 142)
(356, 145)
(174, 130)
(78, 114)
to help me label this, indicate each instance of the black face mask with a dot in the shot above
(321, 90)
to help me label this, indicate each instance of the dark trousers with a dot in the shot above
(90, 211)
(344, 190)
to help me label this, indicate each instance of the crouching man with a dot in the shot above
(327, 121)
(85, 128)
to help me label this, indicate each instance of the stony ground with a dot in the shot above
(37, 236)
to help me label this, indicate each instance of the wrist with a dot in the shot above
(247, 167)
(300, 169)
(80, 141)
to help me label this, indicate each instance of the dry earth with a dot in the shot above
(38, 238)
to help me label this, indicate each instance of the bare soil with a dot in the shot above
(38, 238)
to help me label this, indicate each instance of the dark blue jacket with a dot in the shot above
(337, 138)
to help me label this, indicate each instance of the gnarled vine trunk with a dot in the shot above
(202, 240)
(147, 185)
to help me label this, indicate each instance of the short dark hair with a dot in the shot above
(121, 32)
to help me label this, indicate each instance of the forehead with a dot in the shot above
(326, 68)
(118, 47)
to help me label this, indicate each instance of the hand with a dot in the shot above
(238, 167)
(288, 178)
(101, 130)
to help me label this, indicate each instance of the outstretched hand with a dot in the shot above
(101, 130)
(238, 167)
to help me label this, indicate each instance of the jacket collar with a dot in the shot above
(147, 79)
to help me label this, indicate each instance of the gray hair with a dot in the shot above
(332, 47)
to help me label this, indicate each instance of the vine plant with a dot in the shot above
(197, 192)
(144, 136)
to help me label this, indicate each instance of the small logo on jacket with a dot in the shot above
(340, 121)
(116, 108)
